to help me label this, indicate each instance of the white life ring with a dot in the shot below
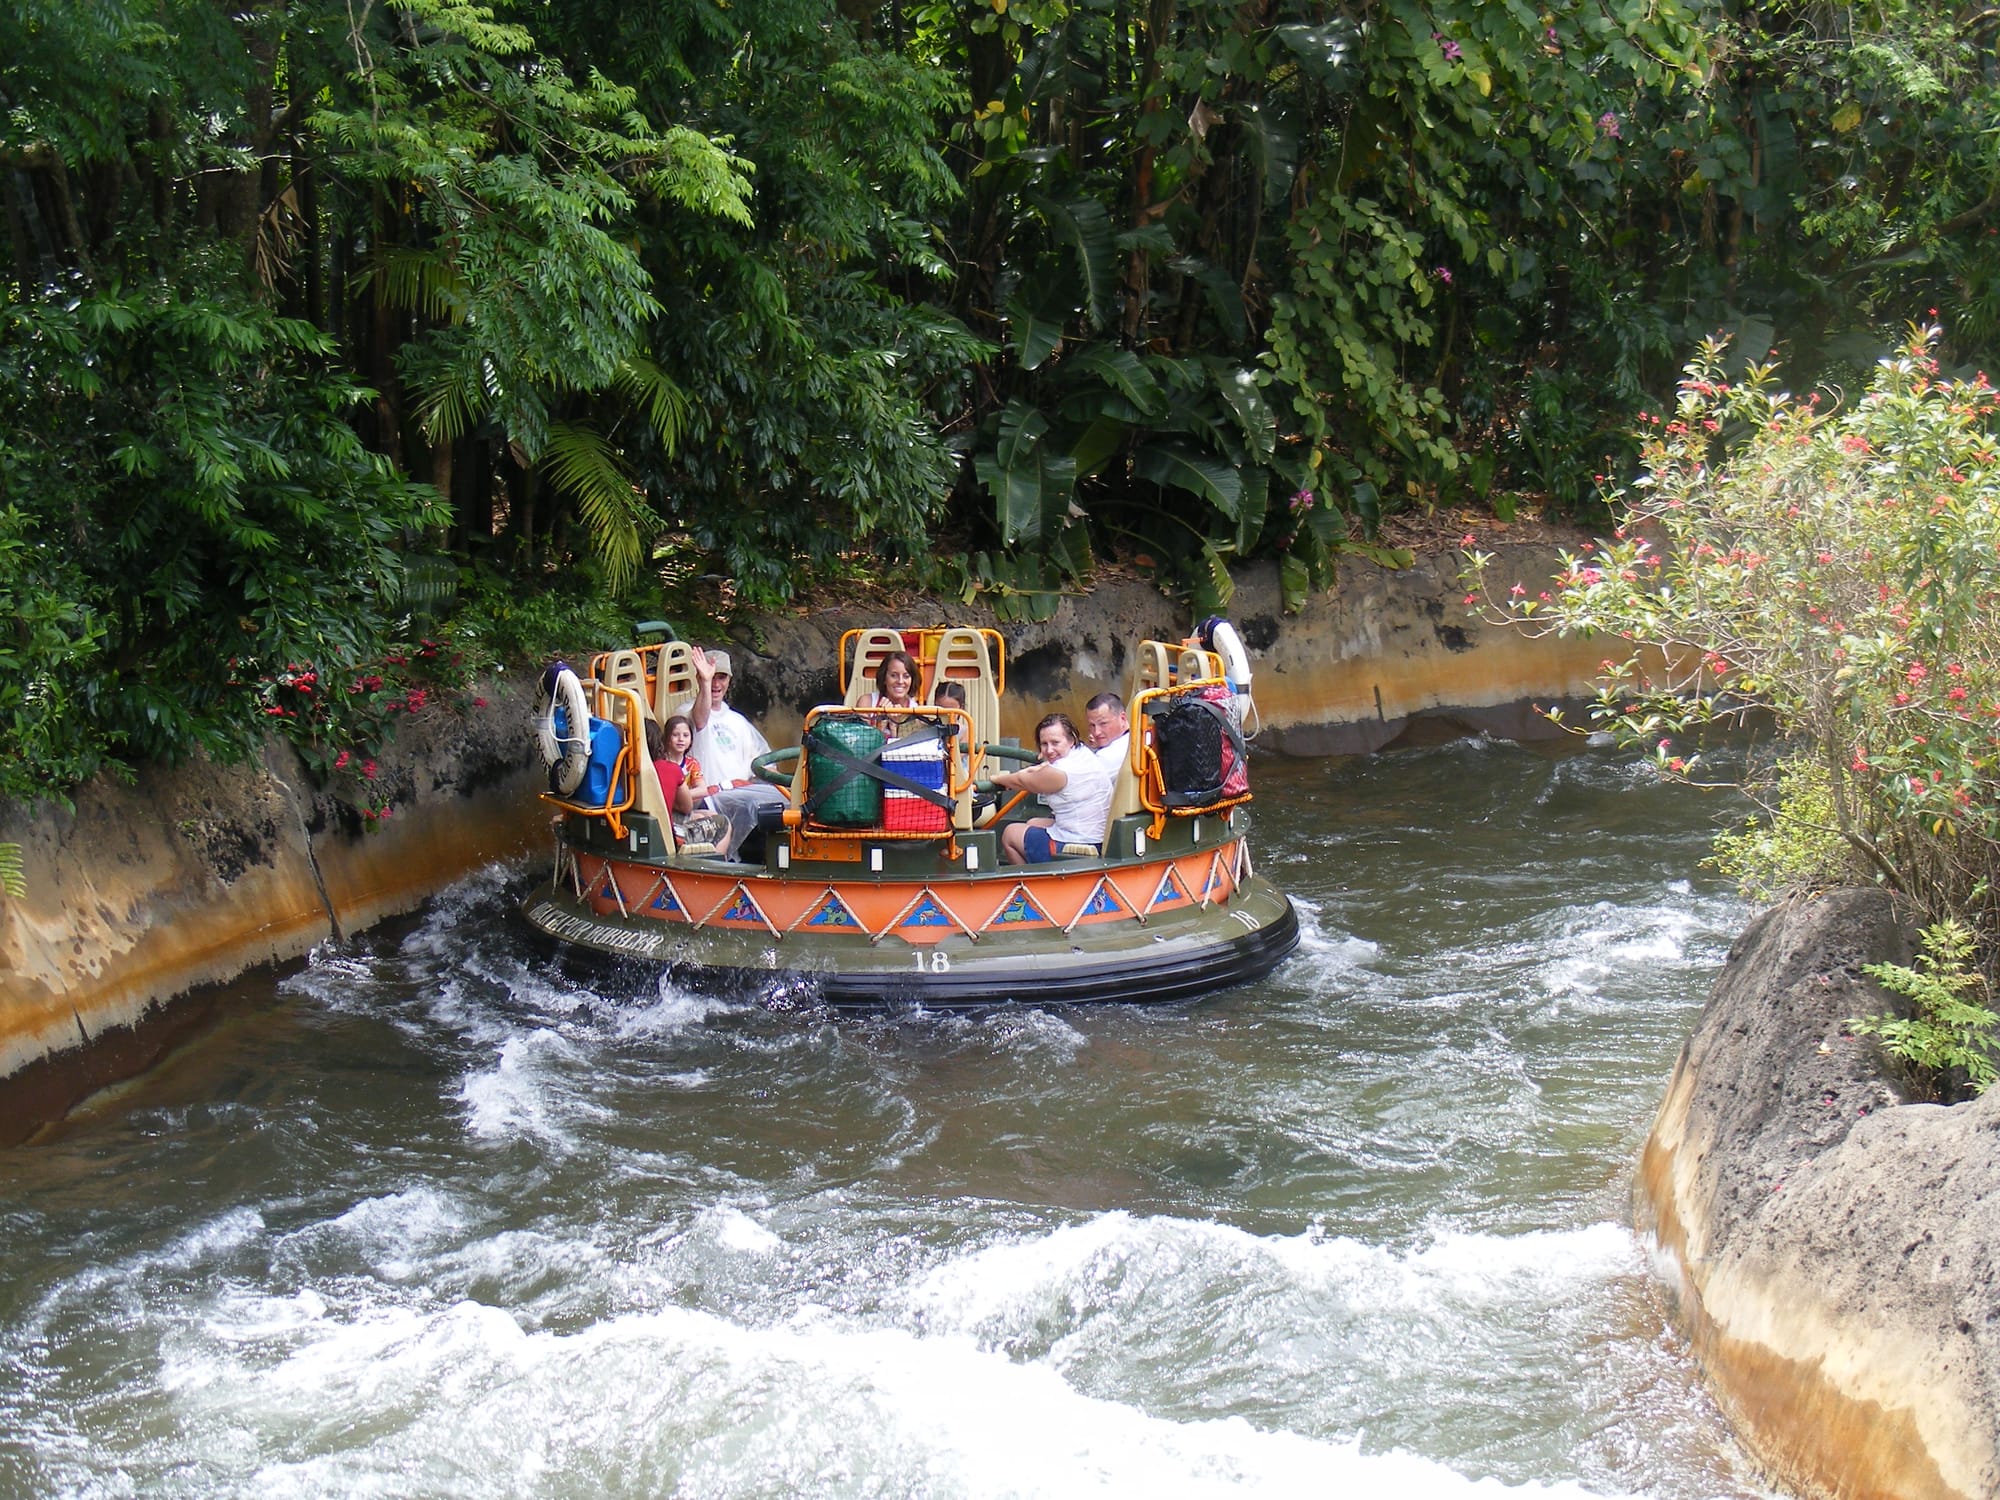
(1228, 645)
(565, 755)
(1235, 660)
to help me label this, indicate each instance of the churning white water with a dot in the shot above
(428, 1219)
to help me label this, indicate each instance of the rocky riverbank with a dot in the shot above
(1832, 1250)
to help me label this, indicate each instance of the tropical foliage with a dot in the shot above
(1833, 570)
(1950, 1035)
(323, 320)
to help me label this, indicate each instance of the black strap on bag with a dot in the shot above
(853, 765)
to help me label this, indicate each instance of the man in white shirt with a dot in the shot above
(726, 743)
(1108, 729)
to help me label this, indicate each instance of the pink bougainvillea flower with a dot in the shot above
(1607, 125)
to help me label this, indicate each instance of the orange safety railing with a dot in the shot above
(622, 708)
(1145, 757)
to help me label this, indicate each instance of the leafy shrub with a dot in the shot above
(1834, 571)
(1793, 842)
(1951, 1032)
(186, 497)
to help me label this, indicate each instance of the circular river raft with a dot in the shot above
(1092, 935)
(904, 897)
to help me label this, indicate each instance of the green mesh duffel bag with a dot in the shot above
(843, 795)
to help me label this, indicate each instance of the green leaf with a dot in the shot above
(1294, 581)
(1213, 587)
(1036, 335)
(1030, 484)
(665, 404)
(581, 463)
(1096, 444)
(1256, 505)
(1179, 466)
(1083, 225)
(1122, 370)
(1021, 428)
(1328, 53)
(1240, 392)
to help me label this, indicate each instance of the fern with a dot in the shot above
(13, 876)
(1951, 1031)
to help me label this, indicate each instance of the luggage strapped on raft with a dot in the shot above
(823, 804)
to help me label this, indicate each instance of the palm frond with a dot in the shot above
(422, 281)
(666, 405)
(580, 463)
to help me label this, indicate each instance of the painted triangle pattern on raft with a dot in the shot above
(1101, 903)
(927, 913)
(833, 912)
(1020, 909)
(744, 909)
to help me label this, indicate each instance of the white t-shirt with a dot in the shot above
(1083, 806)
(1113, 755)
(726, 745)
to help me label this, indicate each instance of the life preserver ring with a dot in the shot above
(1224, 641)
(1228, 645)
(567, 754)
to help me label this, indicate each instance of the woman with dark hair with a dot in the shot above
(1072, 781)
(895, 687)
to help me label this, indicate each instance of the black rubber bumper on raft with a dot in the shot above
(1225, 952)
(1134, 978)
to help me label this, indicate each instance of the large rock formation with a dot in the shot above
(1832, 1249)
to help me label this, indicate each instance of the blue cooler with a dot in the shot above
(605, 743)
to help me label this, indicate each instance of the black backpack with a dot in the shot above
(1200, 747)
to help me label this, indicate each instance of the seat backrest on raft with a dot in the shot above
(872, 647)
(962, 657)
(624, 669)
(1125, 783)
(674, 682)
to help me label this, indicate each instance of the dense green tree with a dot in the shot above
(188, 513)
(751, 288)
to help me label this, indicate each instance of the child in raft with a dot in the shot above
(680, 772)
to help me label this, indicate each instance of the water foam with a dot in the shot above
(1332, 950)
(685, 1401)
(526, 1092)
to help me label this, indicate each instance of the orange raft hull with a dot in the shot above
(1161, 928)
